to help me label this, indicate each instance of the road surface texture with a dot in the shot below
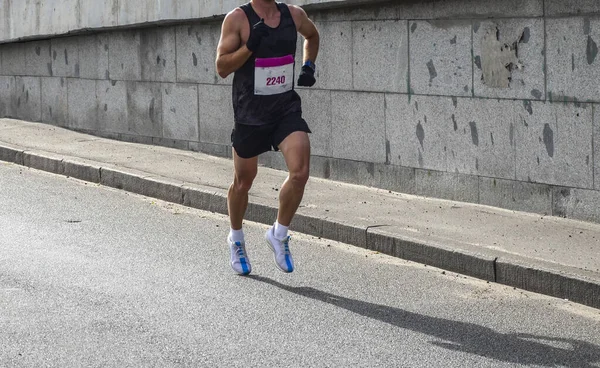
(96, 277)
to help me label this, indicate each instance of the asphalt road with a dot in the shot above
(96, 277)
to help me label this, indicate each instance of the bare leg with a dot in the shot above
(237, 198)
(296, 151)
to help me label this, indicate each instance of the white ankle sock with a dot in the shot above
(280, 231)
(237, 235)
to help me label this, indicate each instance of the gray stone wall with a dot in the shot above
(488, 102)
(31, 19)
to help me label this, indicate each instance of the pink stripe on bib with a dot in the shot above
(272, 62)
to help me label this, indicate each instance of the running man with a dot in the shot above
(258, 43)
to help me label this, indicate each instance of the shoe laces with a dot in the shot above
(240, 251)
(286, 245)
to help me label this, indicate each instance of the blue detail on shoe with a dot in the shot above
(244, 264)
(288, 261)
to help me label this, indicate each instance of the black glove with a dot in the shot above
(307, 77)
(258, 32)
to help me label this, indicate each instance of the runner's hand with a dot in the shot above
(307, 77)
(259, 31)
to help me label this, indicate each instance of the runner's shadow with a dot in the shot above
(465, 337)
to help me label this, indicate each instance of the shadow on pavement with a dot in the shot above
(462, 336)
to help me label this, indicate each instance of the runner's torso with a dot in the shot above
(263, 88)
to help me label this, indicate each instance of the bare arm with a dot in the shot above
(230, 56)
(309, 31)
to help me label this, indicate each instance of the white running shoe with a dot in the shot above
(281, 251)
(239, 259)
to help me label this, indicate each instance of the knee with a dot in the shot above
(300, 177)
(243, 184)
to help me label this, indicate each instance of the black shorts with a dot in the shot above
(252, 140)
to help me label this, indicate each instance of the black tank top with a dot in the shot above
(263, 88)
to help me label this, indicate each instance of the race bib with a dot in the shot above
(273, 76)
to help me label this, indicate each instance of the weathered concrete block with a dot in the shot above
(430, 253)
(537, 277)
(124, 56)
(108, 135)
(196, 53)
(38, 61)
(139, 11)
(216, 114)
(474, 9)
(273, 160)
(186, 9)
(219, 150)
(382, 243)
(144, 108)
(416, 131)
(354, 172)
(28, 98)
(316, 110)
(359, 122)
(60, 16)
(24, 16)
(165, 189)
(11, 154)
(83, 108)
(180, 111)
(4, 22)
(157, 52)
(135, 138)
(81, 171)
(130, 180)
(27, 18)
(191, 56)
(580, 204)
(112, 106)
(430, 10)
(56, 16)
(98, 13)
(562, 7)
(452, 186)
(380, 56)
(516, 195)
(8, 106)
(396, 178)
(306, 224)
(13, 59)
(54, 101)
(555, 144)
(572, 59)
(484, 142)
(171, 143)
(440, 57)
(390, 177)
(44, 162)
(345, 233)
(65, 57)
(93, 56)
(452, 134)
(319, 167)
(499, 71)
(596, 139)
(356, 13)
(260, 213)
(334, 65)
(203, 200)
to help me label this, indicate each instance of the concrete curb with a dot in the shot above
(566, 284)
(463, 262)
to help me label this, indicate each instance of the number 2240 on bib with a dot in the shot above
(273, 76)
